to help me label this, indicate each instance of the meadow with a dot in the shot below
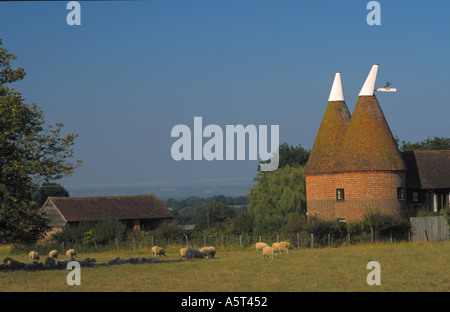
(405, 267)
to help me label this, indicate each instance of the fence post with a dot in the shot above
(371, 234)
(117, 243)
(153, 244)
(312, 240)
(240, 240)
(204, 240)
(329, 240)
(298, 240)
(278, 238)
(223, 245)
(187, 241)
(349, 239)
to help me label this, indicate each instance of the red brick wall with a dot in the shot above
(363, 191)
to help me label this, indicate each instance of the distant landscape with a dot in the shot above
(164, 192)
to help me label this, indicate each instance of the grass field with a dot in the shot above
(405, 267)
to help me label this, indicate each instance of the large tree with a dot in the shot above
(30, 153)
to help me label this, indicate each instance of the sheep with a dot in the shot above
(34, 255)
(192, 253)
(286, 244)
(268, 252)
(53, 254)
(71, 253)
(260, 246)
(183, 252)
(279, 248)
(208, 252)
(158, 251)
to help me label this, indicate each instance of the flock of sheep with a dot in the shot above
(208, 252)
(277, 248)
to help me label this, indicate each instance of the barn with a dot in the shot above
(355, 165)
(135, 211)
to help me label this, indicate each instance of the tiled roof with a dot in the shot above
(427, 169)
(368, 143)
(329, 139)
(120, 207)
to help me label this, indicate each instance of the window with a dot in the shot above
(340, 194)
(401, 193)
(415, 197)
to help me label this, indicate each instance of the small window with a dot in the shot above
(340, 194)
(401, 193)
(415, 197)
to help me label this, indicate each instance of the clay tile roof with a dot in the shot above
(329, 139)
(368, 143)
(427, 169)
(120, 207)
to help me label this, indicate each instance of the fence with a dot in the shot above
(429, 228)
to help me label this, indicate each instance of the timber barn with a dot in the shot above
(135, 211)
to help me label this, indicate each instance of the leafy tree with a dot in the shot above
(436, 143)
(214, 215)
(48, 189)
(30, 153)
(279, 196)
(292, 156)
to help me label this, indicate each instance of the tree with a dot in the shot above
(46, 190)
(30, 153)
(292, 156)
(279, 196)
(214, 215)
(436, 143)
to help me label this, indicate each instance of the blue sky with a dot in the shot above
(134, 69)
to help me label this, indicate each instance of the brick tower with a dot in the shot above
(367, 171)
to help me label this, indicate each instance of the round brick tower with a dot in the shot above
(319, 171)
(366, 173)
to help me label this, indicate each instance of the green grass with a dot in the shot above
(404, 267)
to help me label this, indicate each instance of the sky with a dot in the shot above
(135, 69)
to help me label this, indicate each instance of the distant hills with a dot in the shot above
(164, 191)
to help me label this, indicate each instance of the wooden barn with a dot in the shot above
(135, 211)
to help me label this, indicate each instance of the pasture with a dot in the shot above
(405, 267)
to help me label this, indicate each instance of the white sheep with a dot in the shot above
(260, 246)
(158, 251)
(53, 254)
(71, 253)
(192, 253)
(183, 252)
(34, 255)
(208, 252)
(268, 252)
(286, 244)
(279, 248)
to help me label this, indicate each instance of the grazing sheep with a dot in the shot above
(192, 253)
(53, 254)
(71, 253)
(34, 255)
(260, 246)
(183, 252)
(279, 248)
(158, 251)
(268, 252)
(286, 244)
(212, 252)
(208, 252)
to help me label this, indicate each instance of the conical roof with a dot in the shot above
(368, 143)
(331, 132)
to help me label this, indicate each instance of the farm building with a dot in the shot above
(135, 211)
(355, 164)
